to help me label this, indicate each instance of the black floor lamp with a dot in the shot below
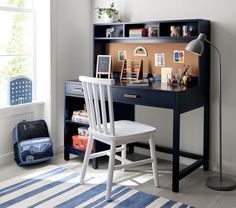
(219, 182)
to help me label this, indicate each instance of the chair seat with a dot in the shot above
(126, 132)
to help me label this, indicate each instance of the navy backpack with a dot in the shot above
(32, 143)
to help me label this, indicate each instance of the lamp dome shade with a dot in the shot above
(196, 46)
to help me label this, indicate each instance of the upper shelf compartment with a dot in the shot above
(139, 30)
(150, 31)
(179, 28)
(115, 30)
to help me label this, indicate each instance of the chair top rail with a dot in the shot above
(97, 80)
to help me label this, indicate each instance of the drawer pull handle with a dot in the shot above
(131, 96)
(77, 89)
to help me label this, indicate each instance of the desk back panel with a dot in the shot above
(149, 61)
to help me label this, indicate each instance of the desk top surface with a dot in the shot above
(157, 94)
(155, 85)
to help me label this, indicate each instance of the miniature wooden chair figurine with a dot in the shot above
(113, 133)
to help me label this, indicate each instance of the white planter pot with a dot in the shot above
(107, 19)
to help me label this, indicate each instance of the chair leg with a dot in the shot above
(154, 163)
(110, 171)
(86, 158)
(123, 155)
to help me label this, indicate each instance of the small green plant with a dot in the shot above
(110, 12)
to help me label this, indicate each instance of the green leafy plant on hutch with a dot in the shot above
(109, 14)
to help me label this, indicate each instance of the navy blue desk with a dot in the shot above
(180, 99)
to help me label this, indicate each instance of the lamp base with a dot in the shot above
(220, 184)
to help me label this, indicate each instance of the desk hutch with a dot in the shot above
(179, 99)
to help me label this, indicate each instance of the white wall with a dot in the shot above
(223, 34)
(71, 52)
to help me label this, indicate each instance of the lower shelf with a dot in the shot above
(71, 150)
(75, 151)
(77, 123)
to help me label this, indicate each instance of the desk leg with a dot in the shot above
(95, 163)
(206, 138)
(176, 145)
(66, 154)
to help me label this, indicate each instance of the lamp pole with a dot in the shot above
(220, 183)
(220, 109)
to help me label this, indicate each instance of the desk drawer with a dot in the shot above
(74, 89)
(144, 97)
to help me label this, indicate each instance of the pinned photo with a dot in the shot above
(178, 56)
(122, 55)
(159, 59)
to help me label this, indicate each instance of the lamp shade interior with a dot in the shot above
(195, 46)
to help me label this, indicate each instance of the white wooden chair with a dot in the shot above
(118, 133)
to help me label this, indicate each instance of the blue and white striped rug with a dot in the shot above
(54, 186)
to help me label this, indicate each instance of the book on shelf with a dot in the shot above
(80, 116)
(139, 32)
(80, 142)
(83, 131)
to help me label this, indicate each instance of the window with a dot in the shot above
(17, 38)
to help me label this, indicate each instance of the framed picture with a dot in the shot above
(103, 65)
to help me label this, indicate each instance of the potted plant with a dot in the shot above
(109, 14)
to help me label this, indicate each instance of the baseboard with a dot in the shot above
(59, 149)
(228, 169)
(160, 155)
(164, 156)
(6, 158)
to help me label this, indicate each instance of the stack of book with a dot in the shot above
(142, 32)
(80, 116)
(80, 141)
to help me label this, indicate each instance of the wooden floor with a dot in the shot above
(192, 188)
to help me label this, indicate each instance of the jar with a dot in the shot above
(152, 31)
(174, 31)
(187, 80)
(186, 30)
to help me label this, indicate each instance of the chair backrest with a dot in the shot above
(95, 92)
